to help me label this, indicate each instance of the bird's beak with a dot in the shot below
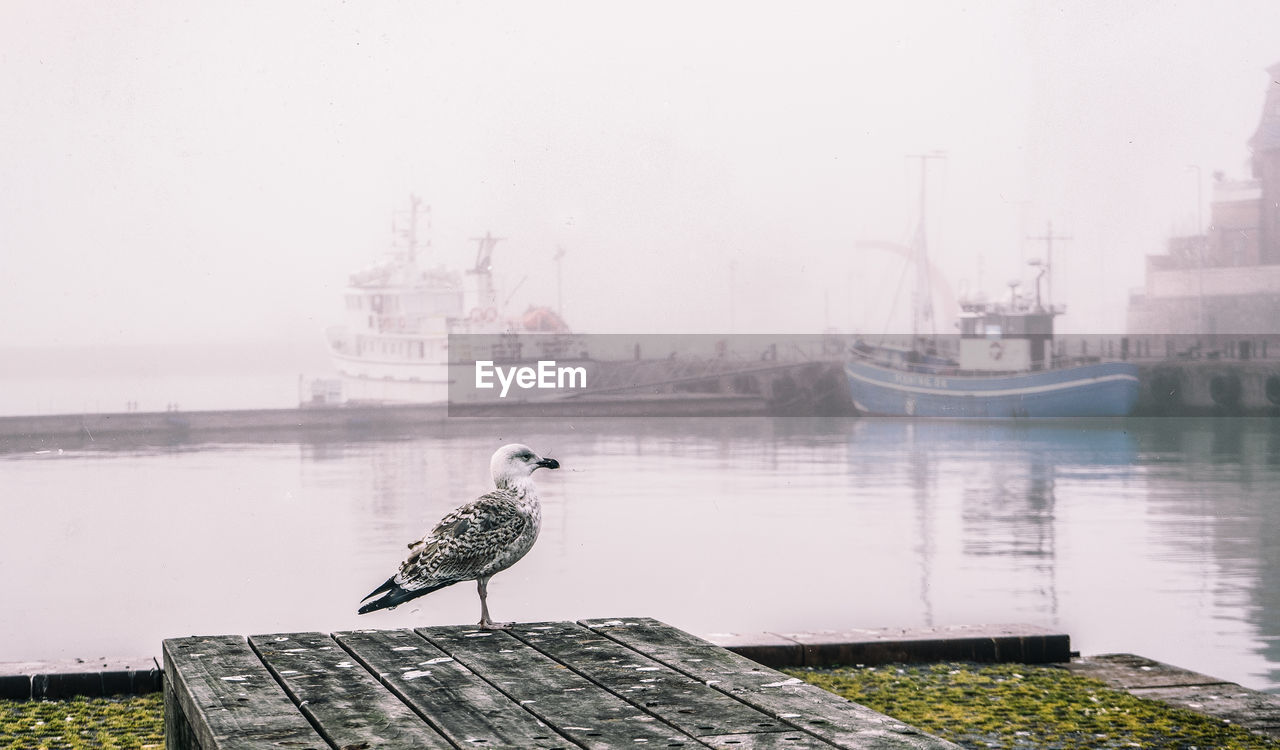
(548, 463)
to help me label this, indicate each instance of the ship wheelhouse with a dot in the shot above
(999, 338)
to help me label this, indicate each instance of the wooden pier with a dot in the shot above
(591, 684)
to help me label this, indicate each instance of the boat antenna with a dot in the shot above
(1047, 238)
(1044, 268)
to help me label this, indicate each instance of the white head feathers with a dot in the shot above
(515, 463)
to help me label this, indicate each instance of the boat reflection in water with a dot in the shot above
(985, 496)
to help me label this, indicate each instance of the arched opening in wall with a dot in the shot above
(1225, 390)
(1273, 389)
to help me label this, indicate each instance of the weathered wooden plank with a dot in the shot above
(770, 649)
(460, 705)
(793, 740)
(229, 699)
(660, 690)
(348, 706)
(805, 706)
(178, 734)
(572, 704)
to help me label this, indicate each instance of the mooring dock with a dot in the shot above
(591, 684)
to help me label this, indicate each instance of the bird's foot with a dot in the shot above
(487, 625)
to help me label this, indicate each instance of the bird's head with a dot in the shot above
(514, 463)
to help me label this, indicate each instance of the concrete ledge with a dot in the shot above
(15, 687)
(769, 649)
(1025, 644)
(1146, 678)
(96, 678)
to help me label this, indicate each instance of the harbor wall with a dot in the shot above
(52, 432)
(1168, 387)
(1187, 375)
(1209, 388)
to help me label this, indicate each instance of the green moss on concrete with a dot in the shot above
(131, 723)
(1022, 706)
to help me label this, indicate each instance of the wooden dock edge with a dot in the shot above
(1023, 644)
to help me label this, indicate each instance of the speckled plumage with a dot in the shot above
(474, 541)
(479, 539)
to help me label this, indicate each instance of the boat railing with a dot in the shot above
(894, 359)
(1065, 361)
(899, 361)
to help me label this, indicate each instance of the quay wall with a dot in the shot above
(50, 433)
(55, 431)
(1209, 388)
(1168, 387)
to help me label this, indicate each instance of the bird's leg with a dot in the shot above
(482, 584)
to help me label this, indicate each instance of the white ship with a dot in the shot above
(394, 346)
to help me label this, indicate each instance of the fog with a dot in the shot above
(184, 172)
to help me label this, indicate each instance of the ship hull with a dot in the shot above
(1103, 389)
(358, 389)
(390, 369)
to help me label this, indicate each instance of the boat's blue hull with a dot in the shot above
(1103, 389)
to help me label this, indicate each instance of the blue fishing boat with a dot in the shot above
(887, 382)
(1001, 365)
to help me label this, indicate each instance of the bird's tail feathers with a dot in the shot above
(378, 597)
(391, 594)
(387, 585)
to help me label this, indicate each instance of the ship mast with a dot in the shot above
(922, 295)
(410, 235)
(1048, 237)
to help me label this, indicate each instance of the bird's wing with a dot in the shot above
(463, 543)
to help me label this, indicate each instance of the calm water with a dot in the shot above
(1160, 537)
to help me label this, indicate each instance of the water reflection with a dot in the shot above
(984, 496)
(1211, 488)
(1153, 536)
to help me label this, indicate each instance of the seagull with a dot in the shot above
(475, 541)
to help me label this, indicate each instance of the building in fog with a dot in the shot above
(1226, 280)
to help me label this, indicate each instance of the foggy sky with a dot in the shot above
(178, 172)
